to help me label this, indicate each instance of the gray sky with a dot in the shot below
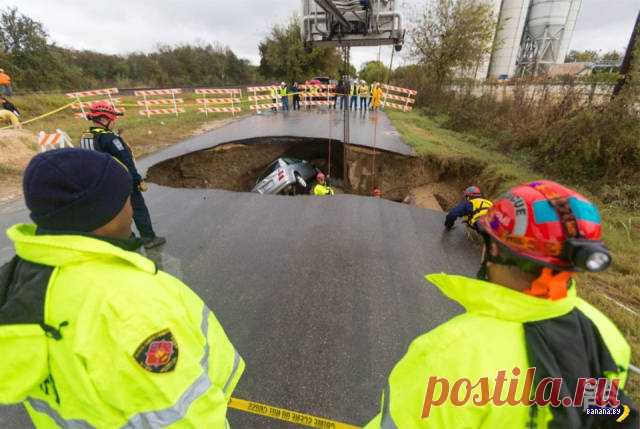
(119, 26)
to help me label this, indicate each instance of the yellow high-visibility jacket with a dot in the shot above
(322, 190)
(112, 342)
(489, 337)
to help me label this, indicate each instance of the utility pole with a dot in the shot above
(346, 132)
(625, 69)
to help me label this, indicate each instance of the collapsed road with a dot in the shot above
(321, 296)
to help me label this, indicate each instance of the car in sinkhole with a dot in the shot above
(286, 176)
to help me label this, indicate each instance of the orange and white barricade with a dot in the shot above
(159, 106)
(407, 99)
(57, 140)
(317, 95)
(221, 97)
(82, 105)
(258, 98)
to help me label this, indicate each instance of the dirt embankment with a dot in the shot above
(17, 147)
(419, 181)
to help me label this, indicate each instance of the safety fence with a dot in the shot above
(84, 99)
(402, 102)
(264, 97)
(317, 95)
(159, 106)
(220, 99)
(57, 140)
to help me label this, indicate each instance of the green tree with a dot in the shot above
(283, 57)
(611, 56)
(374, 71)
(453, 35)
(585, 56)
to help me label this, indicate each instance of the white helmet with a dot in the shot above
(282, 83)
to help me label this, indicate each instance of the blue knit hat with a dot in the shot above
(75, 189)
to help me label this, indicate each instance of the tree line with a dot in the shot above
(37, 64)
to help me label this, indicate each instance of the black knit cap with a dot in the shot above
(75, 189)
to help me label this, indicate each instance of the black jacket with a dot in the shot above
(109, 142)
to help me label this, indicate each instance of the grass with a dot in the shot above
(144, 135)
(497, 172)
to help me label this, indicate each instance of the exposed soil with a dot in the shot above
(17, 147)
(236, 167)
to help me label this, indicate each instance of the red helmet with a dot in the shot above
(550, 225)
(472, 192)
(103, 109)
(377, 192)
(320, 177)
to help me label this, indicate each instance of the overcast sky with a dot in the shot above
(119, 26)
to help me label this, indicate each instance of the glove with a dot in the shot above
(142, 186)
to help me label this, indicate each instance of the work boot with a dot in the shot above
(150, 243)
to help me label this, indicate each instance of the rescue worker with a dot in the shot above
(92, 335)
(322, 188)
(9, 113)
(363, 93)
(284, 96)
(274, 99)
(7, 105)
(376, 97)
(353, 92)
(341, 93)
(524, 314)
(471, 209)
(104, 115)
(296, 96)
(5, 84)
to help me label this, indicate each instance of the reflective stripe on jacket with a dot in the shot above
(322, 190)
(480, 208)
(489, 337)
(112, 309)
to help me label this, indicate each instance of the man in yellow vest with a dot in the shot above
(528, 352)
(471, 209)
(363, 93)
(353, 92)
(92, 334)
(284, 96)
(322, 188)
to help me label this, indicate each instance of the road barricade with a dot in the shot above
(222, 98)
(83, 104)
(57, 140)
(407, 99)
(259, 97)
(317, 95)
(159, 106)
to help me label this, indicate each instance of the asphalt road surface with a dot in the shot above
(321, 296)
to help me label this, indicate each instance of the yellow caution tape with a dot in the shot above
(66, 106)
(287, 415)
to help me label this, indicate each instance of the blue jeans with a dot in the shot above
(141, 214)
(285, 103)
(343, 102)
(354, 103)
(363, 103)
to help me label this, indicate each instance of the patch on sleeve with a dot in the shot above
(118, 144)
(158, 353)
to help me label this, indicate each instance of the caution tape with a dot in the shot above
(66, 106)
(287, 415)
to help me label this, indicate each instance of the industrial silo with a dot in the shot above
(548, 33)
(511, 25)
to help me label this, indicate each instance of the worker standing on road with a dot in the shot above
(5, 84)
(274, 99)
(524, 315)
(296, 96)
(363, 92)
(92, 334)
(103, 139)
(284, 95)
(321, 187)
(353, 92)
(376, 96)
(471, 209)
